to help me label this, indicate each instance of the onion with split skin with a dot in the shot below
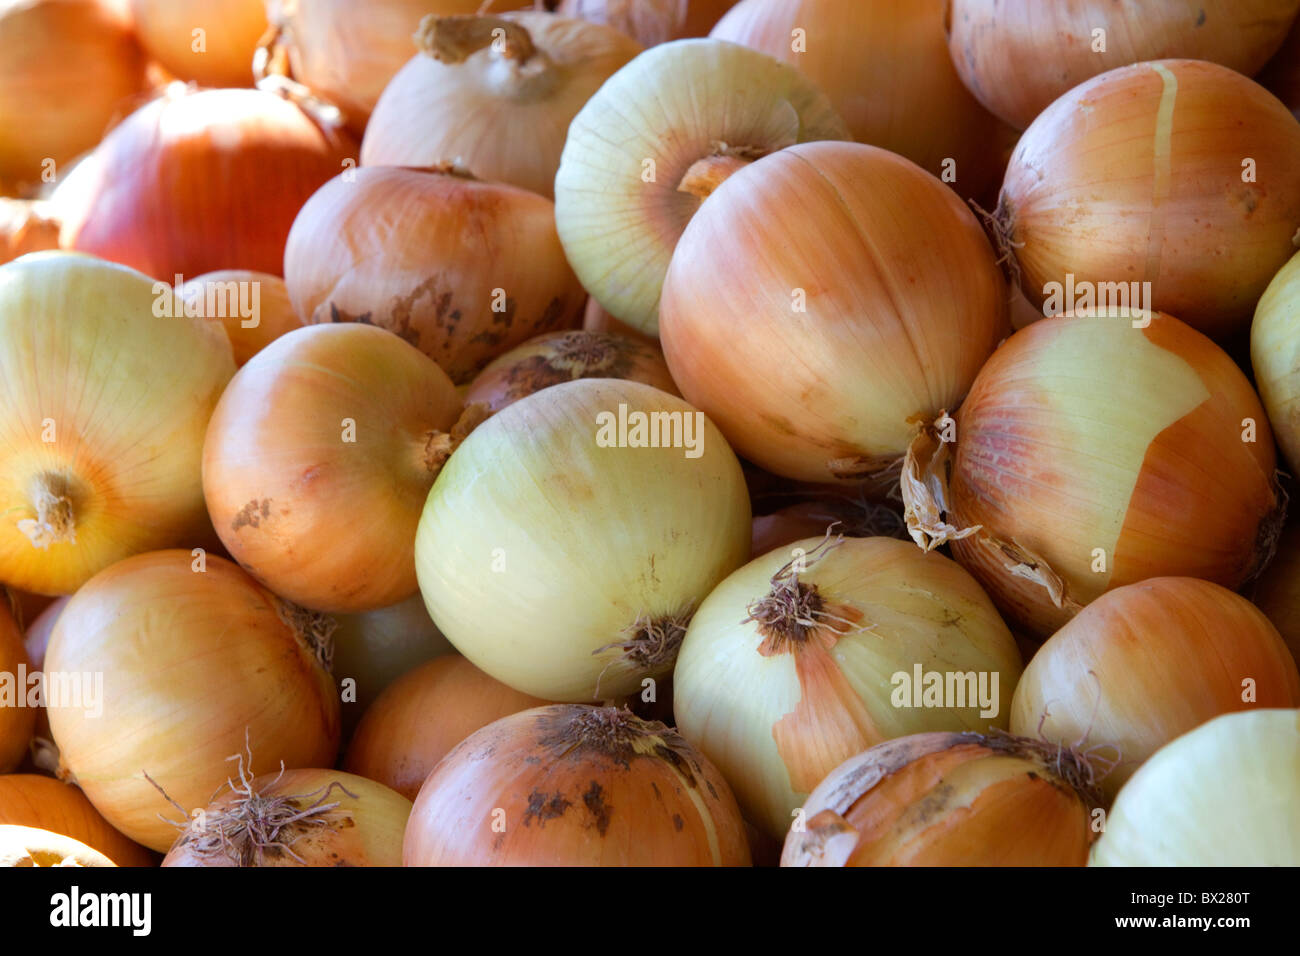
(16, 719)
(221, 55)
(653, 141)
(651, 21)
(501, 111)
(253, 307)
(570, 785)
(30, 800)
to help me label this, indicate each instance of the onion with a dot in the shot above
(1275, 356)
(1282, 74)
(1224, 794)
(195, 661)
(1017, 56)
(858, 519)
(1090, 454)
(563, 357)
(942, 799)
(37, 635)
(196, 181)
(253, 307)
(886, 68)
(869, 296)
(296, 818)
(30, 800)
(500, 111)
(642, 152)
(1145, 663)
(220, 55)
(575, 786)
(16, 718)
(26, 226)
(67, 68)
(596, 319)
(461, 269)
(563, 554)
(29, 846)
(422, 716)
(318, 459)
(651, 21)
(786, 673)
(1174, 173)
(1277, 591)
(102, 413)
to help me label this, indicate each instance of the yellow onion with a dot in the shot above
(31, 846)
(563, 553)
(813, 653)
(1095, 451)
(172, 662)
(199, 180)
(1224, 794)
(422, 716)
(106, 397)
(17, 719)
(643, 152)
(30, 800)
(463, 270)
(885, 66)
(68, 68)
(501, 111)
(1275, 357)
(1147, 662)
(1174, 173)
(207, 41)
(869, 299)
(1277, 591)
(571, 785)
(26, 226)
(253, 307)
(651, 21)
(559, 357)
(295, 818)
(318, 459)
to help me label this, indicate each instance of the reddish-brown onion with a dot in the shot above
(16, 718)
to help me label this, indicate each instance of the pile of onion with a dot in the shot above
(463, 270)
(1175, 173)
(195, 662)
(106, 396)
(1018, 56)
(1145, 663)
(1095, 451)
(869, 298)
(944, 799)
(211, 42)
(295, 818)
(422, 716)
(26, 226)
(1275, 357)
(16, 718)
(253, 307)
(567, 541)
(68, 68)
(500, 109)
(1224, 794)
(651, 144)
(559, 357)
(810, 655)
(199, 180)
(886, 67)
(651, 21)
(318, 460)
(30, 800)
(570, 785)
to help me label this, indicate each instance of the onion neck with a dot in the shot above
(53, 500)
(707, 174)
(314, 630)
(437, 445)
(455, 39)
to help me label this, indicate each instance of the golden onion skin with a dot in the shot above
(16, 722)
(33, 800)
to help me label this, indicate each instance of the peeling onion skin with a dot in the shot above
(1277, 592)
(1275, 358)
(651, 21)
(941, 799)
(1082, 432)
(571, 785)
(1017, 56)
(1164, 144)
(16, 723)
(32, 800)
(1224, 794)
(1148, 662)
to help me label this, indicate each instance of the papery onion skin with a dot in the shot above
(1277, 590)
(941, 799)
(16, 719)
(422, 716)
(103, 414)
(196, 665)
(318, 459)
(1224, 794)
(31, 846)
(617, 204)
(231, 30)
(558, 357)
(566, 568)
(1148, 662)
(1084, 433)
(651, 21)
(1275, 357)
(213, 296)
(1192, 160)
(462, 270)
(1017, 56)
(197, 181)
(869, 295)
(570, 785)
(31, 800)
(777, 713)
(364, 829)
(503, 119)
